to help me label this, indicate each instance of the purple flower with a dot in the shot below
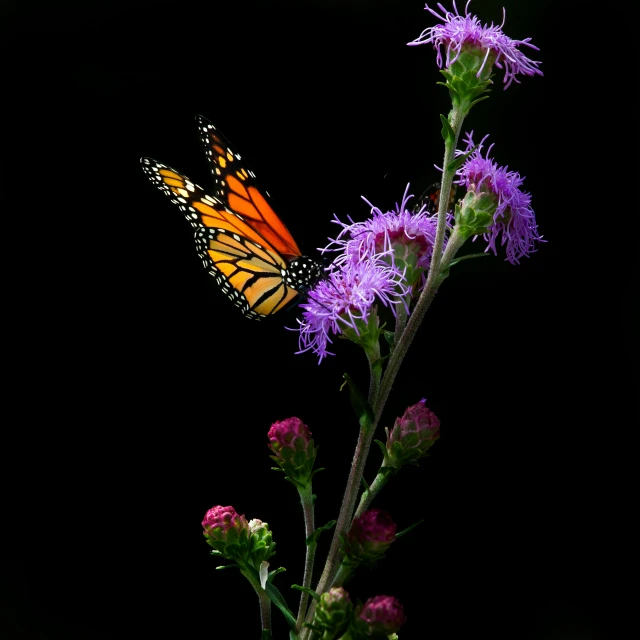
(458, 33)
(383, 614)
(404, 237)
(343, 301)
(379, 233)
(513, 217)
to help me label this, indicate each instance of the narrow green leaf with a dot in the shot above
(277, 599)
(447, 132)
(405, 531)
(314, 536)
(383, 447)
(475, 102)
(457, 162)
(359, 403)
(311, 592)
(275, 572)
(471, 255)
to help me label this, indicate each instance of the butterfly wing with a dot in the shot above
(431, 199)
(235, 186)
(247, 265)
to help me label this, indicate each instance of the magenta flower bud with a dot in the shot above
(226, 532)
(369, 537)
(412, 436)
(291, 442)
(383, 614)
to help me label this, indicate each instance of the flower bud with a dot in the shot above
(291, 442)
(383, 615)
(412, 436)
(369, 537)
(226, 532)
(333, 613)
(261, 545)
(475, 214)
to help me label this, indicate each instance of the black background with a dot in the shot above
(127, 417)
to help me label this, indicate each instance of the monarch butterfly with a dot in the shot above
(241, 241)
(431, 198)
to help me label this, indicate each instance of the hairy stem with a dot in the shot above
(433, 278)
(306, 498)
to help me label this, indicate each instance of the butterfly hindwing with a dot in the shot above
(248, 269)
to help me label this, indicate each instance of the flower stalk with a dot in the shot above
(389, 267)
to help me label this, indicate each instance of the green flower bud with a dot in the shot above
(261, 545)
(474, 215)
(332, 615)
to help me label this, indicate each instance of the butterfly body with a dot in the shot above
(241, 241)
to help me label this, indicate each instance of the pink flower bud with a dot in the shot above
(412, 435)
(291, 442)
(369, 537)
(384, 614)
(291, 433)
(226, 531)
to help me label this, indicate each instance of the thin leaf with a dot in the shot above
(405, 531)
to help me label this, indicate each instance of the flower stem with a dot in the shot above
(433, 279)
(265, 601)
(368, 496)
(379, 391)
(348, 503)
(306, 498)
(365, 438)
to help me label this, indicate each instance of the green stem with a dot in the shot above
(265, 601)
(401, 320)
(378, 483)
(365, 438)
(379, 390)
(306, 498)
(433, 278)
(342, 574)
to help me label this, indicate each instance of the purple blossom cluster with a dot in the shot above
(514, 219)
(366, 270)
(344, 299)
(381, 231)
(466, 31)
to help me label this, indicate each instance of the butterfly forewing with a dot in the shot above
(235, 185)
